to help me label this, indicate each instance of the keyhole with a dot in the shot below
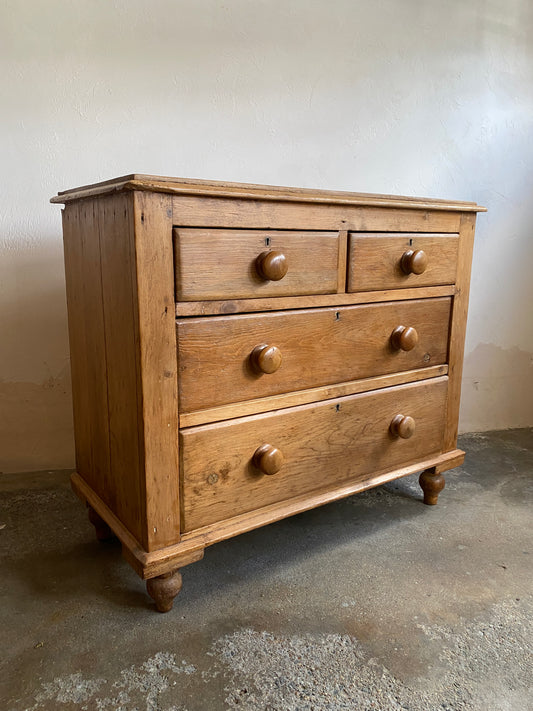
(337, 408)
(337, 316)
(267, 241)
(411, 242)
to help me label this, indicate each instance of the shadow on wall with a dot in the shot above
(35, 391)
(497, 388)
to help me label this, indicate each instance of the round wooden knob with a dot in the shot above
(271, 266)
(402, 426)
(265, 359)
(404, 338)
(414, 261)
(268, 459)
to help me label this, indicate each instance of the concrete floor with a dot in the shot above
(374, 602)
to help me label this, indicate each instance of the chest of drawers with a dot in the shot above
(241, 353)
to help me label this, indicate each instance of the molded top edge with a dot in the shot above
(212, 188)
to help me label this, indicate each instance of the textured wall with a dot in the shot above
(419, 97)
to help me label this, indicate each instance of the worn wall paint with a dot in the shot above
(422, 98)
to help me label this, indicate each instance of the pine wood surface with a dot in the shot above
(318, 347)
(374, 261)
(326, 443)
(97, 241)
(221, 264)
(209, 535)
(302, 397)
(233, 306)
(155, 183)
(458, 328)
(256, 213)
(157, 367)
(123, 360)
(87, 341)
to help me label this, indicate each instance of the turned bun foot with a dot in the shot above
(432, 483)
(164, 589)
(103, 532)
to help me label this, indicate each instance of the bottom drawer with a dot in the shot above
(229, 468)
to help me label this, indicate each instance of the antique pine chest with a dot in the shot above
(241, 353)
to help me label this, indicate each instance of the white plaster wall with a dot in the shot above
(422, 97)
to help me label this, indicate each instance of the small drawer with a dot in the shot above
(228, 359)
(241, 465)
(214, 264)
(396, 261)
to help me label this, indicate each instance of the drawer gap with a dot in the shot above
(328, 392)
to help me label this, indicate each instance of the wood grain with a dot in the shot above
(343, 440)
(158, 421)
(342, 261)
(98, 247)
(318, 347)
(251, 213)
(126, 492)
(215, 308)
(156, 183)
(458, 328)
(87, 346)
(221, 264)
(302, 397)
(375, 260)
(220, 531)
(123, 351)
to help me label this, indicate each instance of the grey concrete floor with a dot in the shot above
(374, 602)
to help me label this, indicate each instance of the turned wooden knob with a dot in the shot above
(404, 338)
(268, 459)
(414, 261)
(402, 426)
(265, 358)
(271, 266)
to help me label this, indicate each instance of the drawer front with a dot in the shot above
(396, 261)
(229, 359)
(304, 449)
(243, 264)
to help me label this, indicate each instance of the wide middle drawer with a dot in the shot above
(228, 359)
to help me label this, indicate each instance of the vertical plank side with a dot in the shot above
(342, 265)
(125, 494)
(158, 365)
(87, 346)
(458, 328)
